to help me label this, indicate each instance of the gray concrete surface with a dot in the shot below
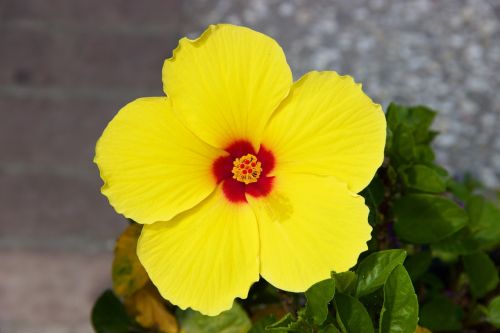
(66, 67)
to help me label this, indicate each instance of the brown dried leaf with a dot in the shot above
(128, 273)
(148, 309)
(421, 329)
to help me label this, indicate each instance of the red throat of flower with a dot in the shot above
(244, 171)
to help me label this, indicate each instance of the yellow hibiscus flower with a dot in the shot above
(241, 172)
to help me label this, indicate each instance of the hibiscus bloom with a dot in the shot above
(240, 172)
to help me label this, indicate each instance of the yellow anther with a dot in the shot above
(246, 169)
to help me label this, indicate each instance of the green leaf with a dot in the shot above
(424, 153)
(459, 243)
(484, 220)
(404, 145)
(373, 270)
(290, 324)
(423, 118)
(417, 117)
(482, 273)
(459, 189)
(109, 315)
(389, 136)
(426, 218)
(282, 325)
(400, 310)
(411, 136)
(440, 170)
(234, 320)
(440, 314)
(374, 195)
(374, 192)
(329, 329)
(373, 303)
(423, 178)
(260, 325)
(417, 264)
(396, 115)
(494, 312)
(352, 315)
(318, 297)
(345, 282)
(465, 188)
(481, 233)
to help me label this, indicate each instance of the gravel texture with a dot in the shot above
(444, 54)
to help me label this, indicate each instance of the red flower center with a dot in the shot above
(244, 171)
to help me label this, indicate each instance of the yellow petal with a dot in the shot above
(227, 83)
(153, 168)
(309, 226)
(205, 257)
(328, 126)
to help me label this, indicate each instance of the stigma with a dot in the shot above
(246, 169)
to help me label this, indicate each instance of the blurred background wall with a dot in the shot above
(67, 66)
